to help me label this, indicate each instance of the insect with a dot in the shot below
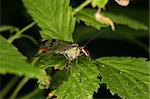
(73, 51)
(70, 51)
(123, 2)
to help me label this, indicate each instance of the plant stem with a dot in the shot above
(8, 28)
(20, 85)
(23, 81)
(18, 34)
(36, 58)
(8, 87)
(139, 43)
(31, 94)
(82, 6)
(30, 38)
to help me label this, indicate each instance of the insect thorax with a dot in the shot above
(71, 53)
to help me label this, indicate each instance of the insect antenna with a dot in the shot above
(102, 31)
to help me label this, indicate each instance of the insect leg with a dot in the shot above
(78, 66)
(66, 56)
(68, 67)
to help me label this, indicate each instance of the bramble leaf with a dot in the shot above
(11, 61)
(54, 17)
(81, 83)
(124, 20)
(126, 76)
(87, 16)
(50, 59)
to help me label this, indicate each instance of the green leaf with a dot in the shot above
(11, 61)
(8, 28)
(81, 83)
(124, 20)
(126, 76)
(50, 59)
(54, 17)
(87, 16)
(99, 3)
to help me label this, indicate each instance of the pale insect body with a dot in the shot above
(123, 2)
(73, 52)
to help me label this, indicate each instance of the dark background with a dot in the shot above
(13, 13)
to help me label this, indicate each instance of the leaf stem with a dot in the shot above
(8, 87)
(30, 38)
(9, 28)
(36, 58)
(18, 34)
(20, 85)
(23, 81)
(31, 94)
(82, 6)
(139, 43)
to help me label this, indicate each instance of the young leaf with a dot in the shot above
(126, 76)
(54, 17)
(82, 81)
(123, 2)
(99, 3)
(87, 16)
(105, 20)
(11, 61)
